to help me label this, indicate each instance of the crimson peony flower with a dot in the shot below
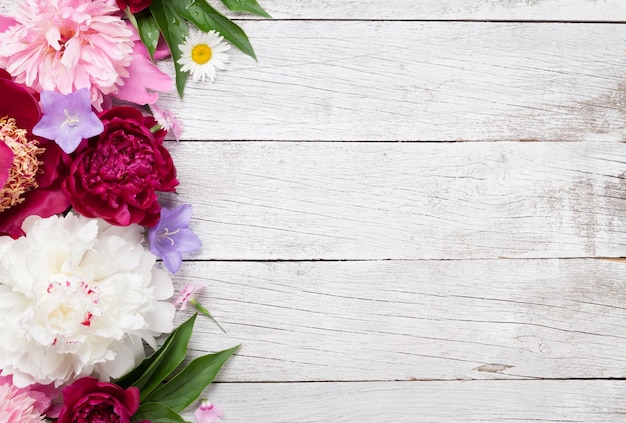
(88, 400)
(134, 5)
(116, 175)
(31, 185)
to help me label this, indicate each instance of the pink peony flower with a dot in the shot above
(66, 45)
(21, 405)
(87, 400)
(116, 175)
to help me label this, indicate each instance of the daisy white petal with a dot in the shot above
(202, 54)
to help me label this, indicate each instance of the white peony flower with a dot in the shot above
(77, 297)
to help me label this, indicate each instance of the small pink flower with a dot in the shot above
(168, 121)
(208, 412)
(186, 295)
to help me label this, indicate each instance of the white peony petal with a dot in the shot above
(78, 296)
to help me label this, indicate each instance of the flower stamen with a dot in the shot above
(72, 121)
(166, 234)
(201, 53)
(25, 167)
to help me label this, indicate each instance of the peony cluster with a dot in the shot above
(81, 293)
(78, 296)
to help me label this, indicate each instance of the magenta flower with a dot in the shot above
(171, 237)
(208, 412)
(89, 400)
(67, 119)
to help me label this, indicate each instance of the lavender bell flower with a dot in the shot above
(67, 119)
(171, 237)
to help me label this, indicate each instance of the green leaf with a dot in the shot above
(250, 6)
(202, 15)
(174, 30)
(186, 386)
(148, 30)
(154, 369)
(156, 412)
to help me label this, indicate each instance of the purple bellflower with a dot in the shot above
(67, 119)
(171, 237)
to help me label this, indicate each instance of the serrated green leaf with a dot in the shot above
(186, 386)
(205, 17)
(154, 369)
(148, 30)
(157, 413)
(174, 30)
(250, 6)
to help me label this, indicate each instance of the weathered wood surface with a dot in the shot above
(411, 402)
(300, 201)
(458, 281)
(415, 81)
(414, 320)
(506, 10)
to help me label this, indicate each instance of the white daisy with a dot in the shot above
(202, 53)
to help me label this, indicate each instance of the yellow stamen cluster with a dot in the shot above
(23, 172)
(201, 53)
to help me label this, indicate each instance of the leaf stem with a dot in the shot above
(204, 311)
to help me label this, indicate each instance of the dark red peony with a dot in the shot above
(87, 401)
(31, 169)
(134, 5)
(116, 175)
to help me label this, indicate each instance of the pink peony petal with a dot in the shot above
(6, 22)
(143, 75)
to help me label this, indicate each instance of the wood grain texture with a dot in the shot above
(524, 10)
(461, 276)
(415, 81)
(413, 320)
(300, 201)
(413, 402)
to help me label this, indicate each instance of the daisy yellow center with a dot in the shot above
(201, 53)
(23, 172)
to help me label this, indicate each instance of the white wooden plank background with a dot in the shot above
(340, 201)
(398, 320)
(492, 10)
(416, 81)
(422, 281)
(411, 402)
